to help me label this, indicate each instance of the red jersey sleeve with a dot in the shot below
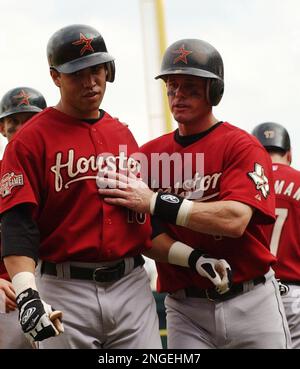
(19, 177)
(248, 178)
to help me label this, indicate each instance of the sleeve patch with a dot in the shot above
(9, 181)
(260, 180)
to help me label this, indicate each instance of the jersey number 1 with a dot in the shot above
(281, 215)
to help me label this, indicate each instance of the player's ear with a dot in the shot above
(55, 76)
(289, 156)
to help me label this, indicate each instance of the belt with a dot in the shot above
(297, 283)
(213, 295)
(111, 273)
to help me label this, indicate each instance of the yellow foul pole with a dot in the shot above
(160, 22)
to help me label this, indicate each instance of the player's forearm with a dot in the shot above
(167, 250)
(224, 218)
(16, 264)
(160, 248)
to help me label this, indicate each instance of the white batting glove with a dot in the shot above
(218, 271)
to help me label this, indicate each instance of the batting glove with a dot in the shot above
(218, 271)
(38, 320)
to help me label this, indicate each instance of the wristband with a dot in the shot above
(22, 281)
(171, 208)
(179, 254)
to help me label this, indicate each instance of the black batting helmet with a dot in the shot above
(272, 136)
(21, 100)
(76, 47)
(196, 58)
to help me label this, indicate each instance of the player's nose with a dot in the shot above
(180, 91)
(88, 80)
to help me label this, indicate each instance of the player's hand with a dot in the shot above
(218, 271)
(38, 320)
(9, 296)
(129, 191)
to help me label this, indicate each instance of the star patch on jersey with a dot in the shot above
(86, 42)
(9, 181)
(260, 180)
(183, 53)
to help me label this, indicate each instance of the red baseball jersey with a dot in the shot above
(3, 272)
(235, 167)
(52, 164)
(285, 237)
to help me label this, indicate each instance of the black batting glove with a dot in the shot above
(38, 320)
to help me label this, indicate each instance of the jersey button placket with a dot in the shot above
(97, 139)
(108, 221)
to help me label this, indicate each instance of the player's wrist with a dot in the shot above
(23, 281)
(194, 257)
(183, 255)
(179, 254)
(171, 208)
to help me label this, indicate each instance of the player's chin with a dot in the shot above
(91, 104)
(94, 100)
(181, 117)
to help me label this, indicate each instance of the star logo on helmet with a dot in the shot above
(24, 98)
(86, 42)
(183, 53)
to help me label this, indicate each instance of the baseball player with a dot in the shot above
(90, 266)
(219, 199)
(285, 236)
(17, 106)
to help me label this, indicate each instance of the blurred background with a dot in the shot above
(258, 40)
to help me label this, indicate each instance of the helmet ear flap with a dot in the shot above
(214, 91)
(111, 71)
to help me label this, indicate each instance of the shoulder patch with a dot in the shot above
(260, 180)
(9, 181)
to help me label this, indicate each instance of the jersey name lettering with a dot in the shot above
(287, 189)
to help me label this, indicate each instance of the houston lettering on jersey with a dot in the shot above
(102, 163)
(195, 188)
